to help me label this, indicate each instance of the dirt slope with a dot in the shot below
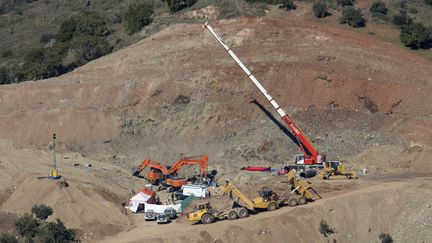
(91, 204)
(348, 91)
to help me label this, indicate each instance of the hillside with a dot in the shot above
(126, 101)
(360, 97)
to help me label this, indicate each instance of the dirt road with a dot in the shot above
(379, 206)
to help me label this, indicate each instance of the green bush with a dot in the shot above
(415, 36)
(288, 5)
(47, 232)
(320, 9)
(90, 47)
(54, 232)
(6, 53)
(43, 63)
(385, 238)
(401, 19)
(4, 76)
(325, 228)
(27, 226)
(378, 7)
(177, 5)
(86, 35)
(42, 211)
(86, 24)
(352, 17)
(45, 38)
(7, 238)
(428, 2)
(412, 10)
(344, 3)
(137, 16)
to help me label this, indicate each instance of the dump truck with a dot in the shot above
(236, 206)
(239, 205)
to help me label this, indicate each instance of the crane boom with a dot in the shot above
(311, 155)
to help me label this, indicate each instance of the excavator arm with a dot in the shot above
(157, 171)
(311, 155)
(202, 162)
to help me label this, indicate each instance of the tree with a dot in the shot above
(401, 18)
(27, 226)
(325, 228)
(42, 212)
(137, 16)
(415, 36)
(428, 2)
(54, 232)
(378, 7)
(90, 47)
(4, 76)
(86, 24)
(288, 5)
(6, 53)
(344, 3)
(45, 38)
(177, 5)
(7, 238)
(320, 9)
(385, 238)
(352, 17)
(43, 63)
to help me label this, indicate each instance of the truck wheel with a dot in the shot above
(243, 213)
(292, 202)
(272, 206)
(302, 200)
(207, 219)
(232, 215)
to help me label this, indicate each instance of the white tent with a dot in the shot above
(135, 201)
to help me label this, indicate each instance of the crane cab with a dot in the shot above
(299, 159)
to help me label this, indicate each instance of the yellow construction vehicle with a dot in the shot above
(205, 214)
(267, 199)
(335, 170)
(237, 206)
(302, 188)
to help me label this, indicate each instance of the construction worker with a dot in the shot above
(172, 197)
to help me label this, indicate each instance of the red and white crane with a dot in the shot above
(310, 154)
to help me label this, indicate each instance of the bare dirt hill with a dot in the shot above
(347, 91)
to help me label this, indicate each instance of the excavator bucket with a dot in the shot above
(135, 171)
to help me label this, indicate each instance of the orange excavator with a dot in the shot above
(156, 173)
(175, 182)
(169, 176)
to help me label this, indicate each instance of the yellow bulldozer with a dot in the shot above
(336, 170)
